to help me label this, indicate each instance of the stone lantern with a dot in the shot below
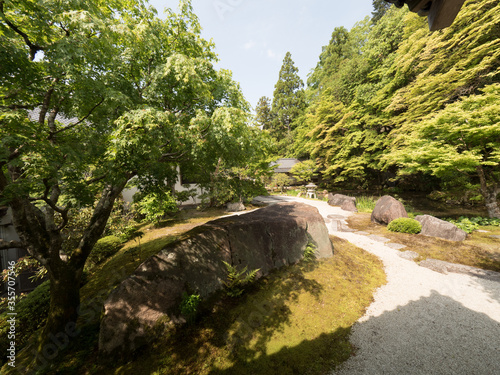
(311, 191)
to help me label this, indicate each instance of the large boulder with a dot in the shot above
(265, 239)
(344, 201)
(434, 227)
(388, 209)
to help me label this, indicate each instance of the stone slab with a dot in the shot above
(378, 238)
(409, 255)
(395, 246)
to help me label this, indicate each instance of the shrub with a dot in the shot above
(486, 221)
(469, 225)
(104, 248)
(189, 306)
(405, 225)
(32, 312)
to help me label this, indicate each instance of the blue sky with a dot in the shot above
(253, 36)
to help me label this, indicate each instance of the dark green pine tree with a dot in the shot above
(263, 116)
(331, 58)
(380, 7)
(289, 99)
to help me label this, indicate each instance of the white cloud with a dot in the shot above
(271, 54)
(249, 45)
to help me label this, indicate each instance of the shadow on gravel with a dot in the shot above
(492, 288)
(434, 335)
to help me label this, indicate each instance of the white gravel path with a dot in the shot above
(422, 322)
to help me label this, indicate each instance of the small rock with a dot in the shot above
(235, 207)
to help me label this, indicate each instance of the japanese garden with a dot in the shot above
(154, 221)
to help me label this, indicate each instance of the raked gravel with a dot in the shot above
(421, 322)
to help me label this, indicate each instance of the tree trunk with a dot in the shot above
(64, 302)
(492, 204)
(490, 194)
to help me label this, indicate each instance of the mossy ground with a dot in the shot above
(478, 250)
(296, 320)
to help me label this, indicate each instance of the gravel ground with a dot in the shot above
(422, 321)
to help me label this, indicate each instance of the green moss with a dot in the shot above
(296, 320)
(104, 249)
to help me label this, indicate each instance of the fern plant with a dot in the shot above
(238, 280)
(310, 252)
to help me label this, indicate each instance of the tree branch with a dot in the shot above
(33, 47)
(52, 134)
(4, 245)
(96, 179)
(173, 156)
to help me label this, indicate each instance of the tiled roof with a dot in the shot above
(284, 165)
(34, 114)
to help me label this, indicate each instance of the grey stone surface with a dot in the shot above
(495, 236)
(434, 227)
(343, 201)
(378, 238)
(388, 209)
(395, 246)
(264, 239)
(235, 207)
(409, 255)
(446, 267)
(349, 206)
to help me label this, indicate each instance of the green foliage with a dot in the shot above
(105, 248)
(405, 225)
(366, 204)
(31, 311)
(263, 115)
(485, 221)
(237, 184)
(470, 224)
(26, 264)
(288, 102)
(380, 7)
(310, 252)
(304, 171)
(280, 180)
(189, 306)
(155, 205)
(238, 280)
